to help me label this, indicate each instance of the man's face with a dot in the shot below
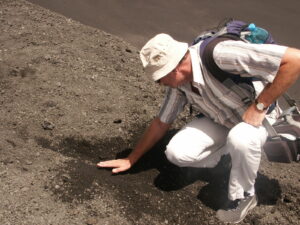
(180, 75)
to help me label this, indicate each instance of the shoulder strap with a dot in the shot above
(207, 48)
(231, 81)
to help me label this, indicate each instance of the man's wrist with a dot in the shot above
(133, 158)
(260, 106)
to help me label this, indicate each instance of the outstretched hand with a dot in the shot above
(253, 116)
(118, 165)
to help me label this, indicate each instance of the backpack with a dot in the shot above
(232, 30)
(283, 144)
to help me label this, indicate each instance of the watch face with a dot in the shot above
(260, 106)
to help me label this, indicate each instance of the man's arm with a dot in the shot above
(153, 134)
(288, 73)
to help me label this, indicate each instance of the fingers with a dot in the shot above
(117, 170)
(111, 163)
(118, 165)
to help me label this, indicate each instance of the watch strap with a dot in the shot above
(256, 102)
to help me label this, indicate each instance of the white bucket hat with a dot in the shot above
(161, 55)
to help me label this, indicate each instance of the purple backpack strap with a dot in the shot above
(236, 27)
(270, 40)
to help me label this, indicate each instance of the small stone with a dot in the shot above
(27, 162)
(24, 189)
(47, 125)
(14, 72)
(118, 68)
(57, 187)
(117, 121)
(47, 57)
(50, 104)
(3, 174)
(8, 161)
(287, 199)
(66, 177)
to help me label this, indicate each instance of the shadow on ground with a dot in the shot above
(153, 178)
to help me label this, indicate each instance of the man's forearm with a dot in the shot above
(153, 134)
(288, 73)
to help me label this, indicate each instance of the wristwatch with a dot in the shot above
(260, 106)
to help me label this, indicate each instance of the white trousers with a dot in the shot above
(202, 142)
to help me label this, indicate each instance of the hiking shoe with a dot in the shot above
(237, 210)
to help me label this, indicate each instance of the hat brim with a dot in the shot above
(175, 54)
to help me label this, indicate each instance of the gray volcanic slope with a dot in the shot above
(71, 95)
